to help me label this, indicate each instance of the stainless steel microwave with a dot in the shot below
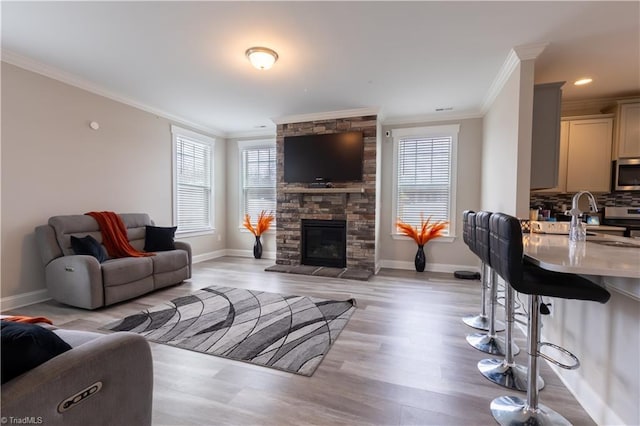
(626, 174)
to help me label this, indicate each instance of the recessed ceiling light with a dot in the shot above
(583, 81)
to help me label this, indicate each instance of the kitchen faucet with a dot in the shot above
(576, 232)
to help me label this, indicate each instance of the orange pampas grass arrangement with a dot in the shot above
(264, 223)
(422, 235)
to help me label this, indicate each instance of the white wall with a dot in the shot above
(441, 256)
(506, 154)
(54, 164)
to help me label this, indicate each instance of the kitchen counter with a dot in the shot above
(591, 257)
(562, 228)
(606, 259)
(597, 228)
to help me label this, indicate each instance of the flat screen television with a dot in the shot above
(336, 157)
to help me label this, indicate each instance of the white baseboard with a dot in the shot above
(24, 299)
(384, 263)
(430, 267)
(208, 256)
(231, 252)
(249, 253)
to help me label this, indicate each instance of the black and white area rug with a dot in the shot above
(290, 333)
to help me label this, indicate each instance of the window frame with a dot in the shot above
(176, 133)
(448, 130)
(242, 146)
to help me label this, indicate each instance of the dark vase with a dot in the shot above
(257, 248)
(420, 261)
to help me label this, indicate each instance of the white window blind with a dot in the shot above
(193, 177)
(258, 180)
(423, 179)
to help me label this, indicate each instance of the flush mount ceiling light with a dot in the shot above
(262, 58)
(583, 81)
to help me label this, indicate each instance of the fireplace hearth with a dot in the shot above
(324, 243)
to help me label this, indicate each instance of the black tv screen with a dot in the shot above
(336, 157)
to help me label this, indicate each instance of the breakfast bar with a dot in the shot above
(606, 337)
(601, 255)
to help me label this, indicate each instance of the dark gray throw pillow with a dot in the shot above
(158, 238)
(89, 246)
(25, 346)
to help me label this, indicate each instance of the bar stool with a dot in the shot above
(480, 321)
(507, 259)
(506, 372)
(488, 342)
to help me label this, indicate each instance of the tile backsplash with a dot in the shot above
(561, 202)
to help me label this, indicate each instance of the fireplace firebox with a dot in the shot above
(324, 243)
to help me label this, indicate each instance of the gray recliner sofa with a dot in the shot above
(81, 281)
(102, 380)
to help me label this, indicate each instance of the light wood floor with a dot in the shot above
(401, 360)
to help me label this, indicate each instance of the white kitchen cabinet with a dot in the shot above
(584, 155)
(627, 134)
(589, 155)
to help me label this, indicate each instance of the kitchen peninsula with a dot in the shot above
(606, 337)
(601, 255)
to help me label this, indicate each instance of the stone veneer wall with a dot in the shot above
(358, 209)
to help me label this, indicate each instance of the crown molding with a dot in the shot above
(330, 115)
(431, 118)
(73, 80)
(499, 81)
(515, 56)
(268, 133)
(528, 52)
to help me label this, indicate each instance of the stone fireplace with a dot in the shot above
(352, 203)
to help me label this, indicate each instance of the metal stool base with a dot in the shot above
(512, 376)
(481, 322)
(490, 345)
(513, 411)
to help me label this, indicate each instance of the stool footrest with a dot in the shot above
(556, 362)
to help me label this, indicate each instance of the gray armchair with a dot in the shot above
(102, 380)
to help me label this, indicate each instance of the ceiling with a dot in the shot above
(186, 59)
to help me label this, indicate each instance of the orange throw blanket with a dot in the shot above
(30, 320)
(114, 235)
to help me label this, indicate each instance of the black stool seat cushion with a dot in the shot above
(482, 237)
(536, 280)
(469, 229)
